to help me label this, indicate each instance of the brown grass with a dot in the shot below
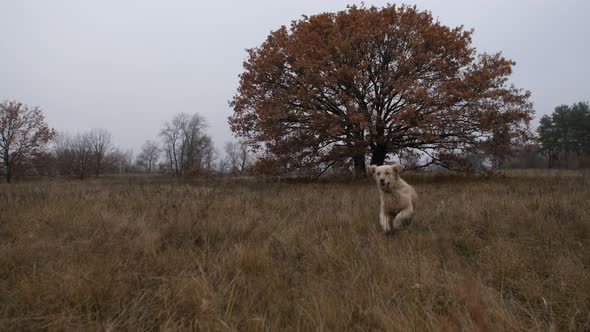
(509, 253)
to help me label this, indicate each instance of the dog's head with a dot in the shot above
(385, 175)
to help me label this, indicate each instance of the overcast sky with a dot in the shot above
(130, 65)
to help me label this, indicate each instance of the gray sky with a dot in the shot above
(130, 65)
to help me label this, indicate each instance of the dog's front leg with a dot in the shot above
(384, 220)
(403, 216)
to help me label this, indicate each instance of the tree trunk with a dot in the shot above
(378, 155)
(359, 165)
(98, 165)
(553, 157)
(7, 164)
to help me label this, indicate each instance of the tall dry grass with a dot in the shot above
(510, 253)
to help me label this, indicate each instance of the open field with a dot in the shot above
(509, 253)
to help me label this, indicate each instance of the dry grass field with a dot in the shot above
(507, 253)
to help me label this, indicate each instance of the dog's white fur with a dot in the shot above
(398, 198)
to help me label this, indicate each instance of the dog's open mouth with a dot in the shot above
(383, 185)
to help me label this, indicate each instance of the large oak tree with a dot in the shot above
(374, 82)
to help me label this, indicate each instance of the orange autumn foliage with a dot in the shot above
(375, 82)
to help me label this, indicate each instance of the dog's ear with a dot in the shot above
(397, 168)
(371, 169)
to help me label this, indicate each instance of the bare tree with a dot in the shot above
(238, 157)
(23, 134)
(102, 148)
(195, 143)
(222, 165)
(172, 146)
(81, 155)
(123, 161)
(186, 144)
(62, 149)
(231, 157)
(149, 155)
(208, 154)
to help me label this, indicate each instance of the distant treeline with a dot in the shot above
(30, 148)
(562, 140)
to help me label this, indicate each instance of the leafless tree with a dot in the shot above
(81, 155)
(186, 145)
(62, 149)
(123, 161)
(208, 155)
(102, 149)
(23, 134)
(171, 137)
(163, 167)
(222, 165)
(149, 155)
(238, 157)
